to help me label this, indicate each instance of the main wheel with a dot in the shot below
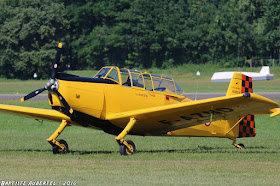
(58, 150)
(125, 151)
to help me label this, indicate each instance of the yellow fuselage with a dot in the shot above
(99, 99)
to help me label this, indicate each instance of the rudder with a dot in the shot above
(240, 84)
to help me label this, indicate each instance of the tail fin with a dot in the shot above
(239, 84)
(265, 70)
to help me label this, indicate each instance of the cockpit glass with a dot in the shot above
(125, 77)
(102, 73)
(168, 85)
(148, 82)
(179, 90)
(137, 79)
(113, 74)
(134, 78)
(162, 84)
(156, 82)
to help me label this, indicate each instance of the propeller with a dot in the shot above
(56, 60)
(52, 84)
(33, 94)
(63, 101)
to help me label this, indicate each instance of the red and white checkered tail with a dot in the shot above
(247, 125)
(240, 84)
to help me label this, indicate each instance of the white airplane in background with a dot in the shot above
(264, 74)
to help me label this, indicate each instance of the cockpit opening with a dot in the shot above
(146, 81)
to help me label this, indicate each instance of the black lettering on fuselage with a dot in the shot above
(214, 112)
(225, 109)
(165, 122)
(199, 115)
(186, 118)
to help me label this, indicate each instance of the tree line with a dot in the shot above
(135, 33)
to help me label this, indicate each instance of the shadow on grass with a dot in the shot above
(72, 152)
(218, 150)
(76, 152)
(24, 150)
(199, 149)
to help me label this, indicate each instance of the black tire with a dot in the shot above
(242, 145)
(124, 151)
(55, 150)
(58, 150)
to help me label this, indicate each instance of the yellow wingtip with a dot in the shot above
(59, 45)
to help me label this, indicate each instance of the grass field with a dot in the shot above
(94, 158)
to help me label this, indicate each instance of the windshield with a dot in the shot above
(102, 73)
(113, 75)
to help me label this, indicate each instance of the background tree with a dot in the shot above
(28, 35)
(135, 33)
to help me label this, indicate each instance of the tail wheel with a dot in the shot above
(125, 151)
(58, 150)
(241, 145)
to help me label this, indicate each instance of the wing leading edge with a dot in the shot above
(36, 113)
(160, 120)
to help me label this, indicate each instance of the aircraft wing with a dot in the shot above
(160, 120)
(36, 113)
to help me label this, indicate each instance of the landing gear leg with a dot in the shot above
(240, 145)
(126, 147)
(59, 146)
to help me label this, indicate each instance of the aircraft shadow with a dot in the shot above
(72, 152)
(77, 152)
(24, 150)
(199, 149)
(217, 150)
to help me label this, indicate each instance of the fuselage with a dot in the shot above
(93, 99)
(113, 90)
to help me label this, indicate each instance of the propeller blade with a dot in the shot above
(64, 102)
(33, 94)
(56, 61)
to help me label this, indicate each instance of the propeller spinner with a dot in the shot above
(52, 84)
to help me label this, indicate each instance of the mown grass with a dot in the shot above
(20, 87)
(94, 158)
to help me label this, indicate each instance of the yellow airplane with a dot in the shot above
(121, 101)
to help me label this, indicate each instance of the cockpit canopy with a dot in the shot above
(136, 79)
